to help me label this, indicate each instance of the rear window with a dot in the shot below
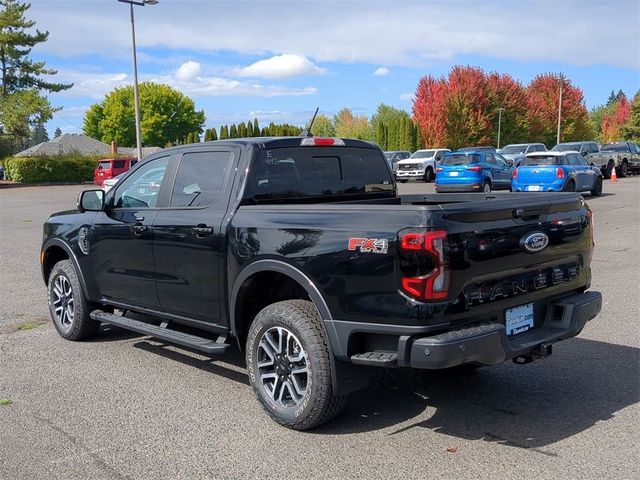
(460, 159)
(565, 147)
(542, 160)
(105, 164)
(306, 172)
(614, 147)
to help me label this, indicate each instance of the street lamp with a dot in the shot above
(136, 100)
(500, 110)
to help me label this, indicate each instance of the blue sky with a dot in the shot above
(279, 59)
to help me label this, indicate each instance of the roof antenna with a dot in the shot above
(307, 131)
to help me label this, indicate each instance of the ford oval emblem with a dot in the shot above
(534, 242)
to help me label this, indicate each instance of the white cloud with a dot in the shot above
(320, 33)
(90, 84)
(280, 66)
(381, 72)
(188, 70)
(406, 97)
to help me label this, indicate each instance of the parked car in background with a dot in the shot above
(110, 182)
(515, 152)
(556, 172)
(1, 172)
(624, 155)
(473, 171)
(112, 167)
(421, 165)
(394, 156)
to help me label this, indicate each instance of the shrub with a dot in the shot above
(60, 168)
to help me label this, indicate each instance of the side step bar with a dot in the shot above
(376, 359)
(161, 332)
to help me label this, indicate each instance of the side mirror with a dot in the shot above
(584, 154)
(593, 164)
(91, 201)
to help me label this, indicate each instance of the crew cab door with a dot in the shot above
(189, 235)
(121, 237)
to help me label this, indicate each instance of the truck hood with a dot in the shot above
(414, 161)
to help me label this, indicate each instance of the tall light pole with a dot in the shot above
(500, 110)
(136, 99)
(560, 108)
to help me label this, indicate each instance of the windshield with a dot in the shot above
(389, 155)
(104, 164)
(565, 147)
(423, 154)
(614, 147)
(280, 174)
(543, 160)
(460, 159)
(513, 149)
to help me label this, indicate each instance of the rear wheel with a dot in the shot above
(428, 175)
(289, 365)
(622, 170)
(67, 304)
(597, 188)
(570, 186)
(486, 187)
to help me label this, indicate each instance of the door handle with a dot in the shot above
(202, 230)
(139, 229)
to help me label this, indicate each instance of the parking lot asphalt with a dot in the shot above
(126, 406)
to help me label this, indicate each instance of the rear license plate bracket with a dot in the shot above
(519, 319)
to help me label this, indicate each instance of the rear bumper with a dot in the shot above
(457, 187)
(484, 344)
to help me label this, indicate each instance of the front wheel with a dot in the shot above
(289, 365)
(597, 188)
(68, 307)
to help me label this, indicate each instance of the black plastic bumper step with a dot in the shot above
(379, 359)
(192, 341)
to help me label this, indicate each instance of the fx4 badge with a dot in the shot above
(369, 245)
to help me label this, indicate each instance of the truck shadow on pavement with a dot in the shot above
(528, 406)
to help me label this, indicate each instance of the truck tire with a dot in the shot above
(289, 365)
(621, 171)
(67, 304)
(607, 170)
(428, 175)
(597, 188)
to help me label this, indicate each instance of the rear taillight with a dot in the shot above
(514, 175)
(424, 264)
(438, 170)
(476, 168)
(559, 173)
(322, 142)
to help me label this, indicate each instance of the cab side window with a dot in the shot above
(141, 189)
(489, 158)
(200, 179)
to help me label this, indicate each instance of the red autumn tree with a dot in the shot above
(430, 110)
(543, 95)
(612, 124)
(506, 92)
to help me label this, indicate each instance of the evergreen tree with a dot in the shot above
(256, 127)
(233, 131)
(19, 72)
(57, 133)
(381, 138)
(224, 132)
(249, 129)
(213, 134)
(207, 135)
(196, 137)
(38, 135)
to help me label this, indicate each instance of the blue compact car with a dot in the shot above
(556, 172)
(473, 171)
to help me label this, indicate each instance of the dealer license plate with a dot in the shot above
(534, 188)
(519, 319)
(453, 174)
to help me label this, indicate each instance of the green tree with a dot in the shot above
(20, 110)
(349, 125)
(224, 132)
(19, 72)
(323, 126)
(256, 127)
(166, 114)
(631, 128)
(196, 137)
(57, 133)
(250, 129)
(233, 131)
(38, 135)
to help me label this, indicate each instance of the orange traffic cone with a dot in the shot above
(614, 176)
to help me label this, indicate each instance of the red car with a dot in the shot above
(112, 167)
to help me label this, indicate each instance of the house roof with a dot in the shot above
(78, 143)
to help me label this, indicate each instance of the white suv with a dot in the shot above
(421, 165)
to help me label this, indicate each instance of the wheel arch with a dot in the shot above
(54, 251)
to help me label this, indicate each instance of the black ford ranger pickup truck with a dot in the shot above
(301, 250)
